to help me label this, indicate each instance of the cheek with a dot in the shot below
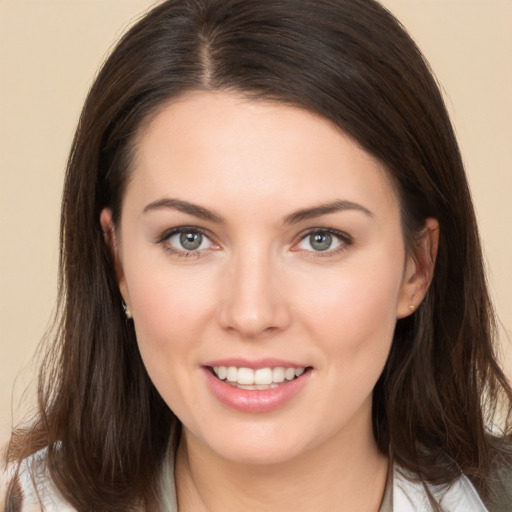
(170, 311)
(170, 308)
(353, 311)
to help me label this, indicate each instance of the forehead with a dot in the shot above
(211, 147)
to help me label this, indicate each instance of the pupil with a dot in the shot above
(191, 241)
(321, 241)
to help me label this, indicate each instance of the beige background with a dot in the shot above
(49, 53)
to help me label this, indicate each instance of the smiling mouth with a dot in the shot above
(260, 379)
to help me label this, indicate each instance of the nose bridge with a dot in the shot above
(253, 302)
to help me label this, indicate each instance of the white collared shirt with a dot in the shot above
(39, 493)
(409, 496)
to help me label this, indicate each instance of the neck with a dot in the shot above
(344, 474)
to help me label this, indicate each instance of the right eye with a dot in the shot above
(185, 240)
(189, 241)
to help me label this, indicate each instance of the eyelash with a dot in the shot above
(183, 253)
(344, 239)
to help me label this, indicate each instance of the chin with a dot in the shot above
(258, 455)
(259, 445)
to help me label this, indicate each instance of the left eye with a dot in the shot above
(189, 240)
(320, 241)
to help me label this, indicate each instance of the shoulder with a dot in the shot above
(27, 487)
(10, 494)
(501, 501)
(411, 496)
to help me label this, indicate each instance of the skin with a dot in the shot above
(258, 288)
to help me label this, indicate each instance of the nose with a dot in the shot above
(253, 302)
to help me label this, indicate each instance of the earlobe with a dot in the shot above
(419, 269)
(111, 240)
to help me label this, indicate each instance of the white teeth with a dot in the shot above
(261, 387)
(278, 374)
(245, 376)
(231, 373)
(221, 372)
(262, 378)
(289, 373)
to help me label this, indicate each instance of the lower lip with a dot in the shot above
(255, 400)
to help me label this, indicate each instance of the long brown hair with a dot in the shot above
(103, 422)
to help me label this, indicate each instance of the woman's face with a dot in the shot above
(261, 254)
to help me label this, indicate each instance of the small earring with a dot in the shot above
(412, 307)
(127, 311)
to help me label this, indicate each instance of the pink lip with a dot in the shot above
(255, 401)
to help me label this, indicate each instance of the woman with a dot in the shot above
(271, 278)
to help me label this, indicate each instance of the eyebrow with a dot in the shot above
(185, 207)
(324, 209)
(293, 218)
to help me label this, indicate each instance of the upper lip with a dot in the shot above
(255, 363)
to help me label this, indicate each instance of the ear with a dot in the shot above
(419, 269)
(111, 239)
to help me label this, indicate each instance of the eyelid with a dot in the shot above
(345, 239)
(168, 233)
